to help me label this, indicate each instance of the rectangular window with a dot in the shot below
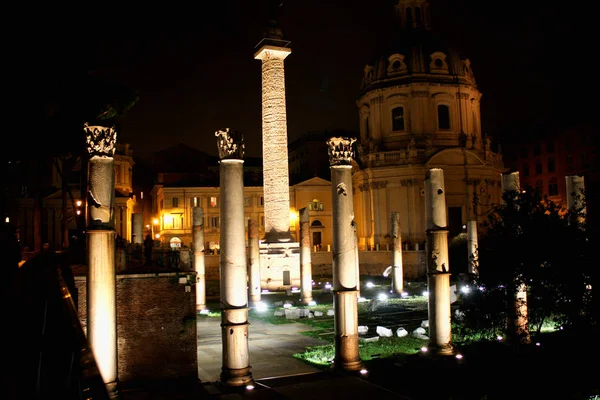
(262, 201)
(551, 166)
(195, 201)
(553, 188)
(550, 147)
(214, 222)
(398, 119)
(175, 201)
(286, 278)
(177, 221)
(537, 149)
(248, 201)
(214, 202)
(538, 167)
(443, 112)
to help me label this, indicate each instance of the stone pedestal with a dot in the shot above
(232, 262)
(397, 269)
(305, 257)
(345, 279)
(438, 268)
(199, 265)
(279, 264)
(253, 262)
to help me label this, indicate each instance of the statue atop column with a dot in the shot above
(340, 150)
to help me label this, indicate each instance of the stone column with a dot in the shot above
(575, 196)
(305, 260)
(274, 141)
(101, 235)
(473, 259)
(517, 320)
(232, 264)
(254, 261)
(137, 221)
(199, 265)
(345, 280)
(397, 267)
(438, 268)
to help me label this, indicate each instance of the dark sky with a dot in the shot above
(193, 64)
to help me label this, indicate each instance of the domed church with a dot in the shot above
(419, 108)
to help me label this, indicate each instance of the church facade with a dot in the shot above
(419, 108)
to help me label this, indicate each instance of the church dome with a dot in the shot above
(416, 54)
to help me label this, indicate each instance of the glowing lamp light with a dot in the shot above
(404, 294)
(499, 337)
(424, 349)
(312, 303)
(425, 293)
(249, 387)
(382, 297)
(538, 344)
(78, 202)
(459, 356)
(155, 221)
(362, 299)
(295, 290)
(465, 289)
(370, 284)
(7, 220)
(261, 307)
(265, 291)
(328, 285)
(157, 236)
(363, 371)
(287, 305)
(78, 212)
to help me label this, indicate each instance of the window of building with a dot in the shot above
(213, 202)
(367, 126)
(537, 149)
(262, 201)
(398, 119)
(287, 280)
(177, 221)
(553, 187)
(316, 205)
(248, 201)
(538, 167)
(550, 147)
(214, 222)
(523, 152)
(525, 169)
(539, 187)
(195, 201)
(175, 202)
(443, 112)
(551, 166)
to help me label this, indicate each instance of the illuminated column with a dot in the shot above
(438, 268)
(137, 221)
(517, 320)
(345, 279)
(397, 268)
(274, 144)
(199, 266)
(254, 261)
(233, 271)
(575, 195)
(472, 247)
(305, 258)
(101, 277)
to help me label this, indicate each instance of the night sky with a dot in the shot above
(193, 67)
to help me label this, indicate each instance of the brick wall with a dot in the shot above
(156, 325)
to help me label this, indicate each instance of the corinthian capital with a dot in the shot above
(230, 144)
(100, 140)
(340, 150)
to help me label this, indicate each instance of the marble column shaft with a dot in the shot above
(397, 267)
(438, 269)
(254, 261)
(199, 264)
(472, 247)
(233, 275)
(137, 222)
(305, 257)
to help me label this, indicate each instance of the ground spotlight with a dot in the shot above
(404, 294)
(370, 284)
(312, 303)
(382, 297)
(260, 306)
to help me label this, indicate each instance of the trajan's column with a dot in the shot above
(278, 251)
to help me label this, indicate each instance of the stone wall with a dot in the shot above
(156, 325)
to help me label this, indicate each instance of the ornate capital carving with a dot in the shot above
(379, 184)
(409, 182)
(364, 187)
(340, 150)
(462, 96)
(230, 144)
(100, 140)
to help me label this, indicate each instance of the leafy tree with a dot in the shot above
(534, 243)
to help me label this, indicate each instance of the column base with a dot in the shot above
(236, 377)
(112, 388)
(200, 307)
(307, 299)
(446, 350)
(255, 298)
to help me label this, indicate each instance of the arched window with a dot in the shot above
(443, 112)
(316, 224)
(398, 119)
(418, 15)
(409, 19)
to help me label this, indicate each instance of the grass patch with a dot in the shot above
(268, 316)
